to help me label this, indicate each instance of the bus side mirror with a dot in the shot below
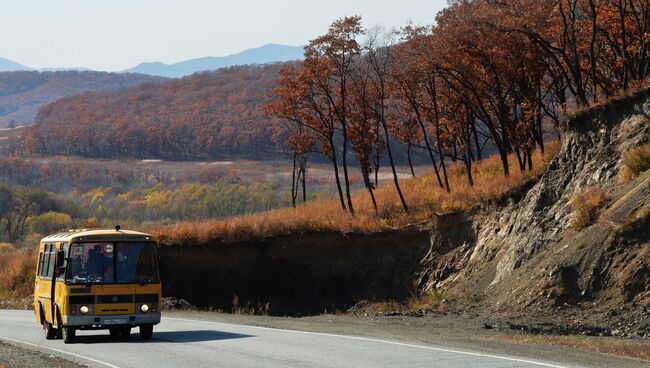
(60, 259)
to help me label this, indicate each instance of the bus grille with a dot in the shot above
(107, 299)
(81, 299)
(146, 298)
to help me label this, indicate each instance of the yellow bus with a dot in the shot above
(97, 279)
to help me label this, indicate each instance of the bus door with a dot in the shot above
(44, 288)
(58, 279)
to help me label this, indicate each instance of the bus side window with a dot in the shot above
(46, 261)
(45, 254)
(52, 261)
(40, 264)
(60, 273)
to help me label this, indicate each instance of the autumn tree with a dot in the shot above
(329, 59)
(379, 58)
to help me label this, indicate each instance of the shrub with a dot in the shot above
(17, 276)
(49, 222)
(637, 160)
(585, 206)
(424, 302)
(6, 248)
(32, 240)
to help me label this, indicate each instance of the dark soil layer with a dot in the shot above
(296, 274)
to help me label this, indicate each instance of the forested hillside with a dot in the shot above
(206, 115)
(23, 92)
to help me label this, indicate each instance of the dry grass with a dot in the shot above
(607, 345)
(17, 276)
(634, 90)
(423, 195)
(637, 160)
(426, 302)
(585, 205)
(429, 302)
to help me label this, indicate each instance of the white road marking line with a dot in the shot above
(60, 351)
(378, 341)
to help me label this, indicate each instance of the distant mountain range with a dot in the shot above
(261, 55)
(7, 65)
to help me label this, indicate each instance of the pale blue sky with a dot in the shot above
(117, 34)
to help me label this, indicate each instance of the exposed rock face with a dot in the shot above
(590, 156)
(525, 250)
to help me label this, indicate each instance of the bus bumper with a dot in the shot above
(113, 320)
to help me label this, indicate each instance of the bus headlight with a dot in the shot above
(83, 309)
(144, 308)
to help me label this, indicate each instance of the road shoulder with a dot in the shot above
(15, 356)
(452, 332)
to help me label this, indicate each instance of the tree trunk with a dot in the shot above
(520, 160)
(504, 160)
(476, 141)
(336, 174)
(437, 124)
(468, 149)
(304, 184)
(392, 166)
(294, 191)
(372, 193)
(408, 155)
(430, 150)
(468, 163)
(345, 168)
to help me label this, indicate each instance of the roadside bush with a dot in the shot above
(17, 276)
(585, 205)
(6, 248)
(638, 160)
(32, 240)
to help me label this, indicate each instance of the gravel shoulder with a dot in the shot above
(15, 356)
(455, 332)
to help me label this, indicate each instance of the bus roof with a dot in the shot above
(96, 235)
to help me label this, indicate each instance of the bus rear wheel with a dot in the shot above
(69, 334)
(50, 332)
(146, 332)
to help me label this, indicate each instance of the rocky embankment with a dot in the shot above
(528, 260)
(519, 257)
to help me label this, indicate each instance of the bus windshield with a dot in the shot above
(107, 263)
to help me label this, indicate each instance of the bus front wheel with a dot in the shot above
(69, 334)
(146, 332)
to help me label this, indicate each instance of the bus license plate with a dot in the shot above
(114, 321)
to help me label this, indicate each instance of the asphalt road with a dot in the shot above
(180, 342)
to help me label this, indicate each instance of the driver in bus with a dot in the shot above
(93, 262)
